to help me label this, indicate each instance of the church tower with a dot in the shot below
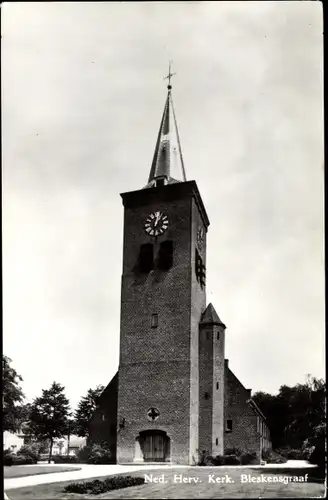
(174, 398)
(162, 304)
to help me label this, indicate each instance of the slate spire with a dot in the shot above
(167, 165)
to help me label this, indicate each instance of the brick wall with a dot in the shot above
(211, 388)
(244, 432)
(262, 428)
(172, 366)
(206, 335)
(103, 424)
(198, 304)
(159, 366)
(218, 390)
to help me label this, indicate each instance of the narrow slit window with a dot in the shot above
(229, 426)
(217, 385)
(216, 441)
(218, 335)
(154, 320)
(206, 395)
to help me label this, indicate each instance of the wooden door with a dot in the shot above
(154, 448)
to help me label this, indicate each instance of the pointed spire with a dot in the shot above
(167, 166)
(210, 316)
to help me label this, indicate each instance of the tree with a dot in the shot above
(275, 413)
(306, 410)
(25, 413)
(85, 410)
(12, 397)
(60, 445)
(294, 414)
(49, 415)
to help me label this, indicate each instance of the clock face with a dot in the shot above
(156, 224)
(200, 236)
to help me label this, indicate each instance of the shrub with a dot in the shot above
(7, 457)
(232, 456)
(13, 459)
(64, 459)
(233, 451)
(317, 456)
(291, 453)
(231, 460)
(84, 453)
(272, 457)
(210, 461)
(295, 454)
(202, 457)
(221, 460)
(30, 451)
(317, 442)
(248, 457)
(21, 460)
(111, 483)
(206, 459)
(95, 454)
(307, 449)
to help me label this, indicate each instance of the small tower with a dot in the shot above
(211, 382)
(162, 301)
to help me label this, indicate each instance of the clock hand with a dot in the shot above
(156, 220)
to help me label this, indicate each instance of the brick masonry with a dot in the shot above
(170, 367)
(248, 424)
(159, 366)
(103, 424)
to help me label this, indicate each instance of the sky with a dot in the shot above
(82, 98)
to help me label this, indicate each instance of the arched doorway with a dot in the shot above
(154, 446)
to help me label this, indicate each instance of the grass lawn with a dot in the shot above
(204, 488)
(21, 470)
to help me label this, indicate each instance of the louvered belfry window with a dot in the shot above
(165, 255)
(200, 269)
(146, 258)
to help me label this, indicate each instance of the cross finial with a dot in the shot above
(169, 76)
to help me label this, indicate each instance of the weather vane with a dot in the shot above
(169, 76)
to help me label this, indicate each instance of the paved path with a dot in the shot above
(88, 471)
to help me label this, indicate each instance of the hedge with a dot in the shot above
(291, 453)
(232, 456)
(97, 486)
(64, 459)
(272, 457)
(96, 454)
(13, 459)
